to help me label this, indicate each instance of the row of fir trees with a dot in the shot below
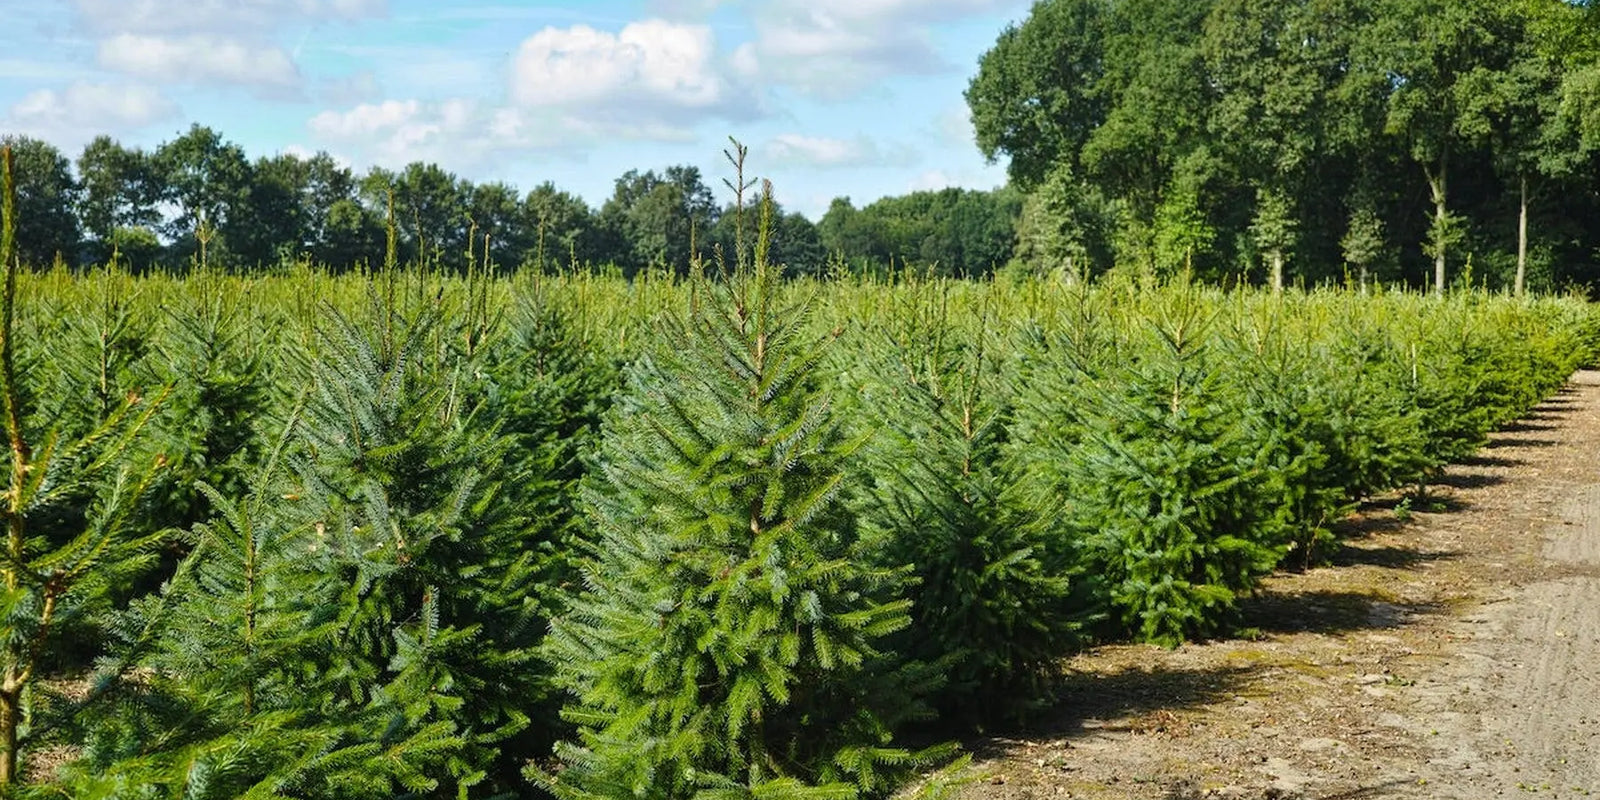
(398, 534)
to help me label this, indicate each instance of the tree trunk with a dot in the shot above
(1363, 279)
(1277, 271)
(10, 709)
(1438, 185)
(1522, 239)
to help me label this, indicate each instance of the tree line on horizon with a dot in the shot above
(1418, 142)
(1428, 141)
(199, 198)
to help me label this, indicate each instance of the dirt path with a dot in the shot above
(1451, 652)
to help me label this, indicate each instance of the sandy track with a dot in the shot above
(1518, 708)
(1452, 652)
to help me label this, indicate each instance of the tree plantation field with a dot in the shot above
(1413, 141)
(399, 533)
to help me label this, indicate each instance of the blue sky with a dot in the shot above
(860, 98)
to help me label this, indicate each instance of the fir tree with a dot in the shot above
(214, 353)
(725, 643)
(92, 482)
(434, 557)
(222, 689)
(361, 624)
(991, 599)
(1157, 485)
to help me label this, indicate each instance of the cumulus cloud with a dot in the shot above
(651, 80)
(73, 115)
(654, 70)
(199, 58)
(835, 48)
(822, 152)
(459, 132)
(227, 42)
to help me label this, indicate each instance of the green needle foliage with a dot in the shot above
(214, 352)
(726, 642)
(991, 596)
(1159, 485)
(668, 538)
(69, 513)
(431, 559)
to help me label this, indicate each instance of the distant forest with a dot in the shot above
(1418, 140)
(200, 198)
(1424, 142)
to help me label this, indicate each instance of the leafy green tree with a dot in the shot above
(1154, 144)
(559, 227)
(1037, 97)
(494, 220)
(659, 219)
(796, 246)
(279, 225)
(121, 191)
(1363, 243)
(1433, 56)
(208, 180)
(1061, 230)
(848, 233)
(955, 232)
(430, 208)
(47, 197)
(1274, 231)
(1516, 110)
(1273, 66)
(352, 235)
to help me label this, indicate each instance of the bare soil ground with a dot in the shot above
(1452, 651)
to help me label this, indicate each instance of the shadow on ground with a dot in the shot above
(1489, 461)
(1193, 790)
(1129, 694)
(1328, 612)
(1351, 555)
(1469, 480)
(1531, 422)
(1497, 444)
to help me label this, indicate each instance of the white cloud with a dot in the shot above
(73, 115)
(936, 179)
(199, 58)
(460, 133)
(791, 149)
(654, 70)
(227, 42)
(304, 153)
(365, 120)
(231, 16)
(835, 48)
